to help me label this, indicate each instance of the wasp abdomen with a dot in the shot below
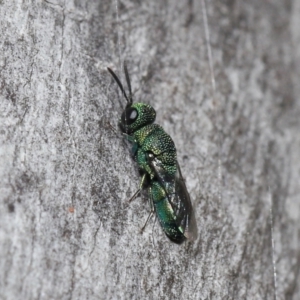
(165, 213)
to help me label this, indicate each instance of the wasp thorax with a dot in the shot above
(136, 116)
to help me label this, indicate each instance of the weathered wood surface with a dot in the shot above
(65, 229)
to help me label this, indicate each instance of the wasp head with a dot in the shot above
(135, 116)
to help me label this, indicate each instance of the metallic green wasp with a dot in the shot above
(155, 154)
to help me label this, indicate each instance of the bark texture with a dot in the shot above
(66, 231)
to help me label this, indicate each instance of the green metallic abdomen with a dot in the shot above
(165, 213)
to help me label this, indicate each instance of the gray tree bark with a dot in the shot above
(66, 231)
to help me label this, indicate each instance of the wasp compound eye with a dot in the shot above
(133, 114)
(129, 116)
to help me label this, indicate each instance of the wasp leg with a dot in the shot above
(131, 140)
(134, 195)
(149, 217)
(139, 190)
(128, 137)
(112, 128)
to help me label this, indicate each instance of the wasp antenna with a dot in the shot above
(128, 81)
(119, 84)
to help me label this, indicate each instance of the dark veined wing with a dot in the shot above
(186, 213)
(178, 197)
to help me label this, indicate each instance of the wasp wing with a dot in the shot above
(178, 197)
(188, 221)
